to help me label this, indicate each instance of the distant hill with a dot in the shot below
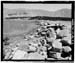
(63, 13)
(37, 12)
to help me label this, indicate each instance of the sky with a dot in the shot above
(48, 7)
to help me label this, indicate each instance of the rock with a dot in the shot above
(67, 39)
(32, 48)
(8, 54)
(57, 44)
(58, 31)
(67, 48)
(58, 55)
(55, 55)
(19, 54)
(51, 33)
(35, 56)
(63, 33)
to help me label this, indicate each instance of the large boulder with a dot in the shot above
(57, 44)
(19, 54)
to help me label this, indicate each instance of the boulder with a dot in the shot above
(19, 54)
(57, 44)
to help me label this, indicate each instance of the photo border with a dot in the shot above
(43, 2)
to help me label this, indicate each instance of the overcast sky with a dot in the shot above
(49, 7)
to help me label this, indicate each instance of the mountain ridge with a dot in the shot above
(38, 12)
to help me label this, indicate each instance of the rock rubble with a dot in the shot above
(49, 41)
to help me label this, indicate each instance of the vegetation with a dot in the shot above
(5, 41)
